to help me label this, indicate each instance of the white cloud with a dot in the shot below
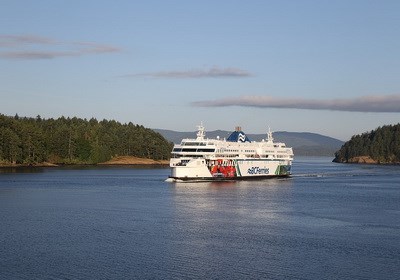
(37, 47)
(373, 103)
(214, 72)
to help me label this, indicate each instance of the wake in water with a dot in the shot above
(354, 172)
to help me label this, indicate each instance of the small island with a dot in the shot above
(380, 146)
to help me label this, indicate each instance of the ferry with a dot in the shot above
(233, 158)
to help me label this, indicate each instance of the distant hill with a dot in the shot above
(303, 143)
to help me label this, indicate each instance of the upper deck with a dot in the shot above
(237, 145)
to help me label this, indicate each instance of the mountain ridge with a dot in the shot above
(303, 143)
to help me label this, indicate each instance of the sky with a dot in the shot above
(327, 67)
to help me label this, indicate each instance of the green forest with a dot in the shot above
(76, 141)
(381, 144)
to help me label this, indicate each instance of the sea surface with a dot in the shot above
(328, 221)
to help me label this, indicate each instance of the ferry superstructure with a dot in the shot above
(233, 158)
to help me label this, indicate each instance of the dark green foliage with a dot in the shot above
(66, 140)
(382, 145)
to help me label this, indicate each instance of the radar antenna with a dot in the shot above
(269, 135)
(201, 132)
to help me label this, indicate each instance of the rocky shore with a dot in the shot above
(365, 160)
(129, 160)
(362, 159)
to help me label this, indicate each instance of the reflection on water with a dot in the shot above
(221, 222)
(239, 201)
(259, 203)
(7, 170)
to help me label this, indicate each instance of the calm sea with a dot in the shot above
(329, 221)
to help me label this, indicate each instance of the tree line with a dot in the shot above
(76, 141)
(381, 144)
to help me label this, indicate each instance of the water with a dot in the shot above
(329, 221)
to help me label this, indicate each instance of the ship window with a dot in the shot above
(177, 150)
(188, 150)
(191, 144)
(206, 150)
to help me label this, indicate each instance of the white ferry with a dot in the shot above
(236, 157)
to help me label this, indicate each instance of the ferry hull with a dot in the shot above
(213, 179)
(219, 170)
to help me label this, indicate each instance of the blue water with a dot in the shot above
(329, 221)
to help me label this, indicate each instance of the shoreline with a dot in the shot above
(365, 160)
(116, 161)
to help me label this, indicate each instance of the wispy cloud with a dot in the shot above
(38, 47)
(214, 72)
(373, 103)
(18, 40)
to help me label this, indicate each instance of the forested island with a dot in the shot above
(380, 146)
(36, 141)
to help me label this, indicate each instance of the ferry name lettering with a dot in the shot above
(257, 170)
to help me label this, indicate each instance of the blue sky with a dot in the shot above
(329, 67)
